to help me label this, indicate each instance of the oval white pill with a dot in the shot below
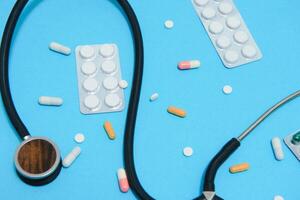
(241, 37)
(91, 102)
(71, 157)
(233, 22)
(123, 84)
(188, 151)
(208, 13)
(90, 85)
(79, 138)
(227, 89)
(225, 8)
(223, 42)
(154, 97)
(216, 27)
(107, 50)
(169, 24)
(201, 2)
(231, 56)
(87, 52)
(277, 148)
(249, 51)
(112, 100)
(59, 48)
(50, 101)
(278, 197)
(89, 68)
(108, 66)
(110, 83)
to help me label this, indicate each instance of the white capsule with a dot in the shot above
(59, 48)
(71, 157)
(50, 101)
(278, 197)
(154, 96)
(277, 148)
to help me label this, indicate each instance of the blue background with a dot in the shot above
(213, 118)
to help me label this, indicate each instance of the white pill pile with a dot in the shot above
(59, 48)
(100, 83)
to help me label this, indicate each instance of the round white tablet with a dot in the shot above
(169, 24)
(110, 83)
(188, 151)
(225, 8)
(208, 13)
(89, 68)
(123, 84)
(223, 42)
(201, 2)
(233, 22)
(231, 56)
(216, 27)
(87, 52)
(107, 50)
(241, 37)
(227, 89)
(108, 66)
(90, 85)
(249, 51)
(79, 138)
(112, 100)
(278, 197)
(91, 102)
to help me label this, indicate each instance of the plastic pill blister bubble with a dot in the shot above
(99, 74)
(227, 31)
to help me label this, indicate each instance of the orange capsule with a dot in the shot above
(109, 130)
(239, 168)
(177, 111)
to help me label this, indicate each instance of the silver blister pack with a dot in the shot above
(295, 148)
(99, 73)
(228, 32)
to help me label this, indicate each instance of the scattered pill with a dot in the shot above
(123, 181)
(169, 24)
(177, 111)
(154, 97)
(59, 48)
(227, 89)
(277, 148)
(50, 101)
(79, 138)
(71, 157)
(278, 197)
(239, 168)
(123, 84)
(109, 130)
(188, 151)
(192, 64)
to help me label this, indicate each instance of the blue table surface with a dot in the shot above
(213, 118)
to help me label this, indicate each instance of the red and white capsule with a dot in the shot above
(191, 64)
(123, 181)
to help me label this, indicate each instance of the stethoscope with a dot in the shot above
(38, 160)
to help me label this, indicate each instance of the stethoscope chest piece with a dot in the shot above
(38, 161)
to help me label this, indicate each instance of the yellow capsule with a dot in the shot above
(109, 130)
(239, 168)
(177, 111)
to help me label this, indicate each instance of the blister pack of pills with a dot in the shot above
(293, 142)
(99, 73)
(227, 31)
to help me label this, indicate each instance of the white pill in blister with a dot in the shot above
(169, 24)
(108, 66)
(71, 157)
(208, 13)
(188, 151)
(107, 50)
(249, 51)
(79, 138)
(231, 56)
(223, 42)
(91, 102)
(216, 27)
(59, 48)
(241, 37)
(89, 68)
(112, 100)
(123, 84)
(87, 52)
(225, 8)
(50, 101)
(233, 22)
(201, 2)
(277, 148)
(227, 89)
(110, 83)
(278, 197)
(90, 85)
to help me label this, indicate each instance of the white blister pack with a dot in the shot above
(227, 31)
(99, 73)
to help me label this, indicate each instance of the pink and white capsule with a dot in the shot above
(184, 65)
(123, 181)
